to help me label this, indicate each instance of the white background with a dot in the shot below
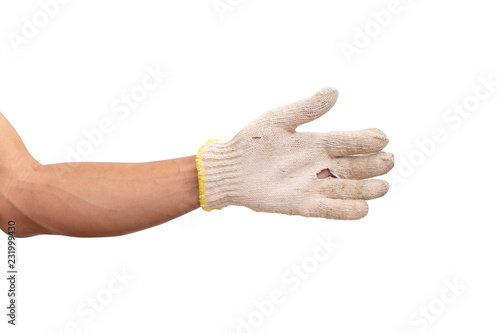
(202, 272)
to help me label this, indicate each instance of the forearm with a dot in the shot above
(105, 199)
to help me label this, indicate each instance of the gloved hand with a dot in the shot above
(269, 167)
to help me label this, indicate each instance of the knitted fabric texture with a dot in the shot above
(270, 167)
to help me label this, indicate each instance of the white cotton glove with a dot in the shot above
(269, 167)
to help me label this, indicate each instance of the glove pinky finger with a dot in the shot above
(338, 209)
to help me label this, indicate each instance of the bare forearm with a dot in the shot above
(106, 199)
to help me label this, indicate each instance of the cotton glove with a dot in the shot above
(270, 167)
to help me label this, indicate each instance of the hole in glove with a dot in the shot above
(325, 173)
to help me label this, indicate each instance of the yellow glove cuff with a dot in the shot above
(201, 176)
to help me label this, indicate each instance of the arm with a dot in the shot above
(104, 199)
(90, 199)
(268, 166)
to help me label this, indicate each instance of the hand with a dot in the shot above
(270, 167)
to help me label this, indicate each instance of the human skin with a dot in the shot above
(99, 199)
(90, 199)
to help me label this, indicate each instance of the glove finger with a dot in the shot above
(292, 115)
(351, 189)
(337, 209)
(347, 143)
(362, 167)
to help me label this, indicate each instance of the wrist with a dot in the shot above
(219, 174)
